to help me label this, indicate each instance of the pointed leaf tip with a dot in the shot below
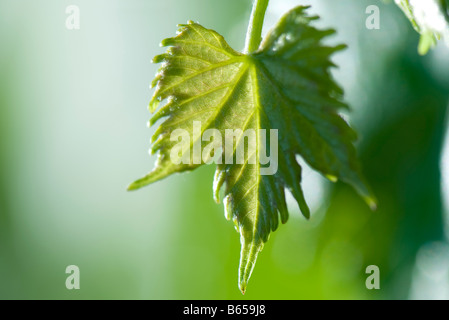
(372, 202)
(242, 286)
(132, 187)
(248, 257)
(332, 178)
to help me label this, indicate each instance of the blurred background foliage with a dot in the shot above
(73, 135)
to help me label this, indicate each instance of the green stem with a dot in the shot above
(254, 34)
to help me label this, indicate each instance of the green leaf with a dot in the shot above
(285, 85)
(430, 18)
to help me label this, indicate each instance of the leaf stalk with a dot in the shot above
(254, 34)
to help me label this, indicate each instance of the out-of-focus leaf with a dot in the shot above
(429, 18)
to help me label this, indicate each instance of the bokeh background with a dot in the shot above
(73, 135)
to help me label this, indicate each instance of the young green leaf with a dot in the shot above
(285, 85)
(430, 18)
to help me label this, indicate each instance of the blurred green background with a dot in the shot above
(73, 135)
